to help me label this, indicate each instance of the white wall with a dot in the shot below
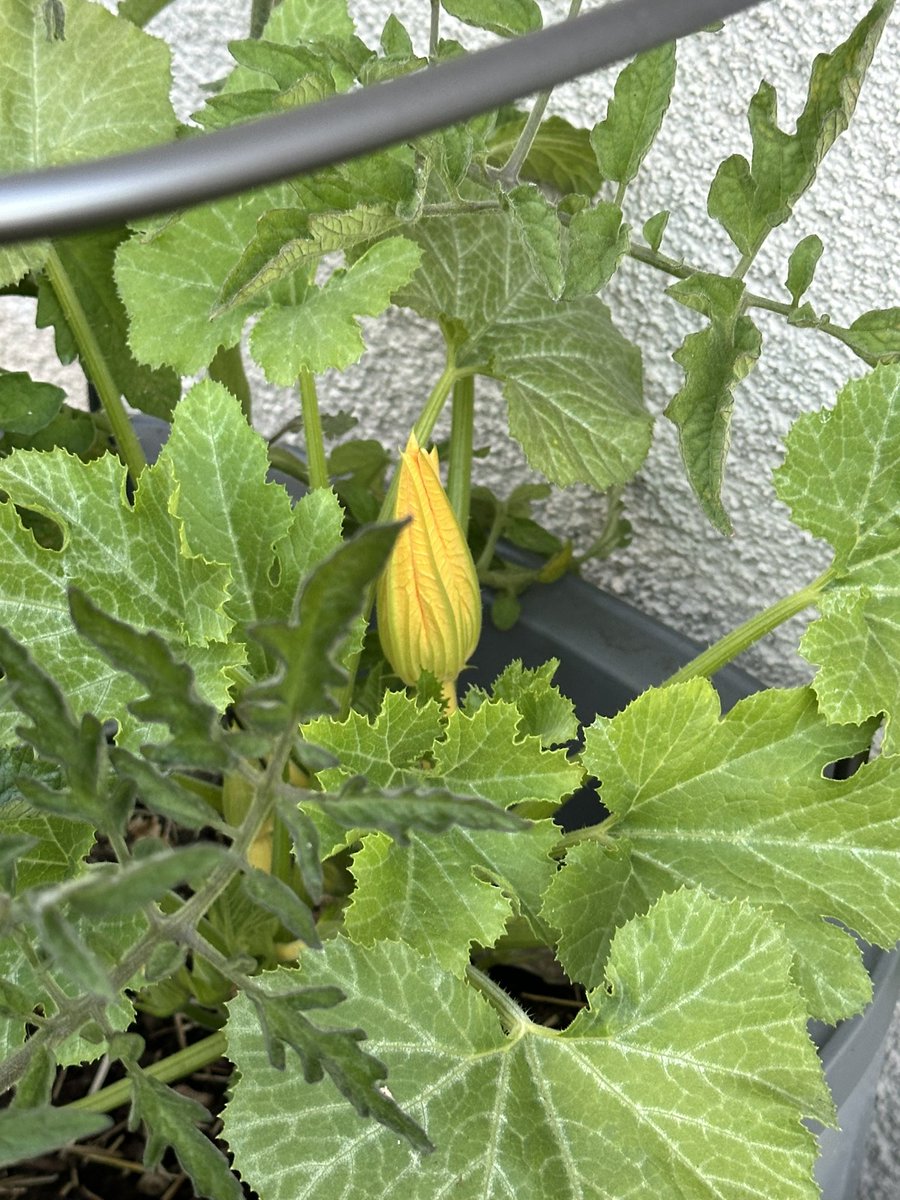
(678, 567)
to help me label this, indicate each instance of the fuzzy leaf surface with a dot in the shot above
(128, 558)
(322, 332)
(560, 154)
(635, 113)
(30, 1132)
(506, 17)
(27, 405)
(738, 805)
(750, 199)
(715, 360)
(571, 381)
(841, 482)
(680, 1082)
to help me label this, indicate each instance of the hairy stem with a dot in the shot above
(462, 426)
(260, 11)
(514, 1019)
(176, 1066)
(95, 365)
(312, 431)
(508, 174)
(738, 640)
(434, 32)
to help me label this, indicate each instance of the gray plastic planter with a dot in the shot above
(609, 653)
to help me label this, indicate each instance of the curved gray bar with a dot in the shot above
(70, 199)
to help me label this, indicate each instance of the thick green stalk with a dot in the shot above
(462, 426)
(260, 11)
(738, 640)
(177, 1066)
(227, 368)
(514, 1019)
(95, 364)
(312, 432)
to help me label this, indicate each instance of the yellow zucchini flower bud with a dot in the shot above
(429, 602)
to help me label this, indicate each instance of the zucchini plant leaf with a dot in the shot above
(25, 404)
(88, 261)
(170, 281)
(130, 558)
(571, 380)
(485, 878)
(841, 482)
(635, 113)
(715, 360)
(675, 1078)
(101, 90)
(739, 806)
(59, 845)
(545, 713)
(321, 331)
(750, 199)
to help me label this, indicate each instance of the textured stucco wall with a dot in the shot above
(678, 568)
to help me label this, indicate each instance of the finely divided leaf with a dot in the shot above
(715, 360)
(841, 482)
(171, 1120)
(635, 114)
(572, 382)
(750, 199)
(678, 1080)
(739, 806)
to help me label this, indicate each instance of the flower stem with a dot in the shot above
(423, 429)
(513, 1018)
(95, 364)
(459, 475)
(435, 30)
(737, 641)
(312, 431)
(176, 1066)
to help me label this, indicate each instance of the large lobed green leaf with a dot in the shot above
(571, 380)
(101, 90)
(841, 480)
(739, 806)
(677, 1082)
(752, 198)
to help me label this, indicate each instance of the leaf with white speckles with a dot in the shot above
(571, 380)
(129, 559)
(679, 1080)
(842, 482)
(101, 90)
(739, 806)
